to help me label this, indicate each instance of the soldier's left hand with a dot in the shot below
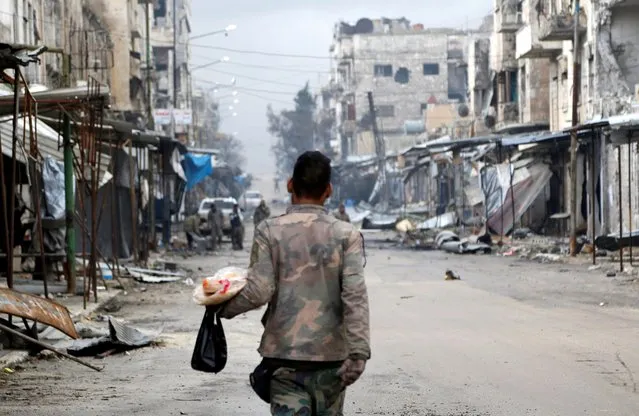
(351, 370)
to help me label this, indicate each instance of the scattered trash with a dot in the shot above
(120, 338)
(189, 282)
(611, 273)
(547, 257)
(603, 304)
(8, 370)
(154, 276)
(404, 226)
(451, 275)
(594, 267)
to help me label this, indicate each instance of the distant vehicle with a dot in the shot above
(225, 204)
(250, 200)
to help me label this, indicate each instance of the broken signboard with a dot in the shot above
(37, 309)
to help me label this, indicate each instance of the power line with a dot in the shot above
(262, 80)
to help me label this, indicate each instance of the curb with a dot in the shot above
(19, 356)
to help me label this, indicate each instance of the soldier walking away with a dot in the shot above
(214, 226)
(341, 214)
(308, 266)
(262, 212)
(237, 229)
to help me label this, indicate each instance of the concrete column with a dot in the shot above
(115, 15)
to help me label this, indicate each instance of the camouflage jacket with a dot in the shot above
(309, 267)
(261, 213)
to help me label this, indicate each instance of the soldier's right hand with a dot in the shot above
(351, 370)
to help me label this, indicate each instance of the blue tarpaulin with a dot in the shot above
(196, 168)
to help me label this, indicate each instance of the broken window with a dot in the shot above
(383, 70)
(385, 110)
(423, 107)
(431, 69)
(402, 76)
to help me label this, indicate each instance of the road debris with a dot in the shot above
(451, 275)
(121, 338)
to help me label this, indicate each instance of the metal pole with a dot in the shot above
(149, 81)
(11, 206)
(593, 197)
(69, 196)
(620, 210)
(630, 197)
(573, 135)
(502, 199)
(48, 347)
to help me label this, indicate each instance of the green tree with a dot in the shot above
(295, 129)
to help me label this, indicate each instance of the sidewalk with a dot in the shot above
(77, 311)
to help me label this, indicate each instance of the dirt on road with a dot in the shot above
(511, 338)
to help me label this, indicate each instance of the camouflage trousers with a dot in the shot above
(307, 393)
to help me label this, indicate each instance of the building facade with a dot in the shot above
(406, 67)
(171, 57)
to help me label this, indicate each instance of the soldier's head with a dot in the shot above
(311, 181)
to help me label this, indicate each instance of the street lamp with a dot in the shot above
(226, 31)
(219, 61)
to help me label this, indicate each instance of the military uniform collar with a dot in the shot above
(306, 209)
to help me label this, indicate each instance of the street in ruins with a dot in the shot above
(511, 338)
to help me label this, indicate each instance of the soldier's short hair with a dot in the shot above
(312, 174)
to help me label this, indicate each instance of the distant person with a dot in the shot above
(341, 214)
(213, 222)
(308, 267)
(237, 228)
(261, 213)
(277, 185)
(192, 227)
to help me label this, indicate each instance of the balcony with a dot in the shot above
(528, 45)
(507, 113)
(561, 27)
(349, 127)
(508, 20)
(162, 37)
(502, 52)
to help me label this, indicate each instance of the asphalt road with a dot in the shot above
(512, 338)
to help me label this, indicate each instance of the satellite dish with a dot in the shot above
(463, 110)
(364, 26)
(489, 121)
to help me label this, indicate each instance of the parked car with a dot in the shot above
(250, 200)
(225, 204)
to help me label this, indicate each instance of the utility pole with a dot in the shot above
(166, 159)
(576, 72)
(151, 126)
(69, 196)
(381, 152)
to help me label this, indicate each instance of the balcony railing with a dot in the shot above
(508, 20)
(507, 113)
(529, 46)
(560, 27)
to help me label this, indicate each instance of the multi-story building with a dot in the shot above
(79, 42)
(171, 56)
(406, 67)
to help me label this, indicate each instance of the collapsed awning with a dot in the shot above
(37, 309)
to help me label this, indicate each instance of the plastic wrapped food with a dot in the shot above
(222, 286)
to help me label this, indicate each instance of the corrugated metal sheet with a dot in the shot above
(49, 141)
(37, 309)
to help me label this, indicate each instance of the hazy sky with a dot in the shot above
(301, 27)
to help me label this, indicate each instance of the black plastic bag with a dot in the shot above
(210, 354)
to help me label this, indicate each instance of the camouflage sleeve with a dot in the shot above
(260, 286)
(355, 300)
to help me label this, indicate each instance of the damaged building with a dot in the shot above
(407, 67)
